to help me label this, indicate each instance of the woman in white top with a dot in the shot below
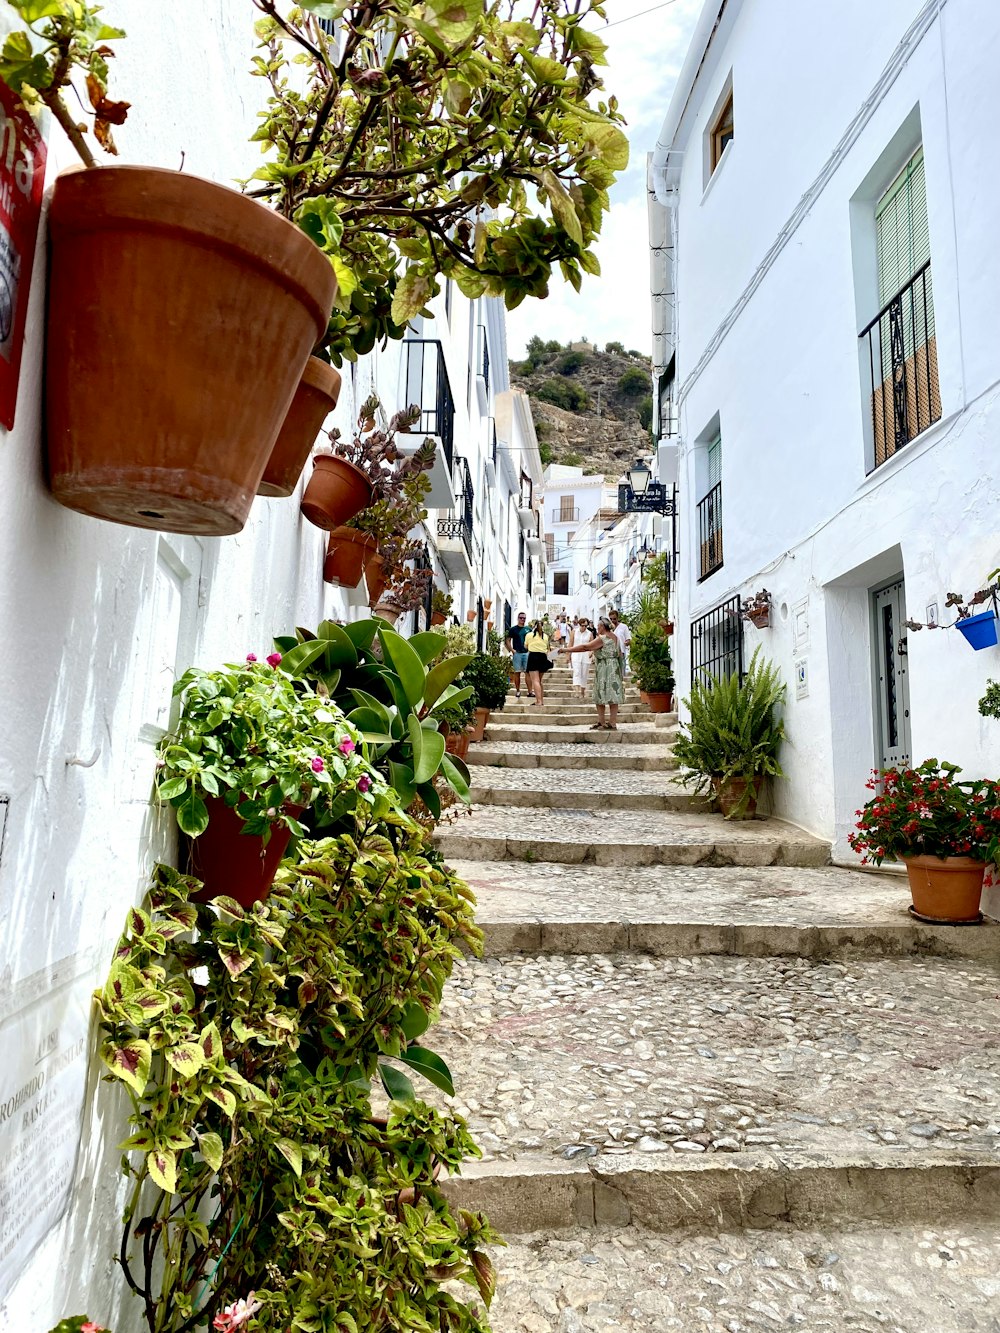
(581, 661)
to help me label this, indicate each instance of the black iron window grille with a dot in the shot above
(422, 561)
(484, 357)
(529, 576)
(520, 550)
(899, 353)
(480, 618)
(607, 575)
(428, 386)
(717, 642)
(507, 619)
(710, 531)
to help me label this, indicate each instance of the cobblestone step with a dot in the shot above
(936, 1279)
(625, 838)
(725, 1091)
(641, 733)
(581, 790)
(523, 710)
(771, 911)
(562, 755)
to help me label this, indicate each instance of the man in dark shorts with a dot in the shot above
(515, 643)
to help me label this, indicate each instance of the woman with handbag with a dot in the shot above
(537, 644)
(608, 689)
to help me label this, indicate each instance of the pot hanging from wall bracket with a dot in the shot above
(982, 631)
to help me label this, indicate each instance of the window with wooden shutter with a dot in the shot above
(900, 345)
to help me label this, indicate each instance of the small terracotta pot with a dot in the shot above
(231, 862)
(945, 889)
(314, 400)
(470, 616)
(729, 794)
(659, 701)
(337, 491)
(346, 553)
(181, 316)
(479, 726)
(375, 579)
(762, 619)
(386, 612)
(438, 617)
(457, 743)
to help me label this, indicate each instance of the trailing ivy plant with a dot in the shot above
(249, 1043)
(448, 139)
(61, 38)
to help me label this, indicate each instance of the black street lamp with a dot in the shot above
(641, 495)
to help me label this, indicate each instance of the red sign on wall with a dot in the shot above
(22, 179)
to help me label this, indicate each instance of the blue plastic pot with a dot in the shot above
(981, 630)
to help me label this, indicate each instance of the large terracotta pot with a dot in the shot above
(945, 889)
(346, 553)
(337, 491)
(659, 701)
(315, 399)
(457, 743)
(181, 316)
(375, 579)
(479, 726)
(644, 696)
(231, 862)
(730, 793)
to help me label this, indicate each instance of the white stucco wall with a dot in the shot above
(771, 296)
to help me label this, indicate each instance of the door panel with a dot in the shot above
(892, 690)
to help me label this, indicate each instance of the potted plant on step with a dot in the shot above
(489, 677)
(455, 718)
(151, 268)
(732, 740)
(649, 655)
(946, 831)
(250, 752)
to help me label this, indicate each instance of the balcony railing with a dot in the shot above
(606, 576)
(710, 531)
(483, 369)
(899, 355)
(460, 524)
(567, 515)
(428, 386)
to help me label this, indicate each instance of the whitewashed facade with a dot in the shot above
(98, 619)
(787, 218)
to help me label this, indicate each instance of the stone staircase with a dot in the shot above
(719, 1083)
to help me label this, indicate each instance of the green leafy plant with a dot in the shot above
(457, 712)
(734, 730)
(989, 704)
(60, 38)
(249, 1044)
(459, 641)
(392, 691)
(928, 811)
(633, 383)
(250, 736)
(562, 393)
(441, 602)
(650, 658)
(490, 680)
(462, 141)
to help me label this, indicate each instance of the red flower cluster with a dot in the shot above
(927, 811)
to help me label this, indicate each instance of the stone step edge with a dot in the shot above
(687, 939)
(733, 1192)
(608, 760)
(556, 798)
(767, 851)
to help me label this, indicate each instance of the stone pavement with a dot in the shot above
(701, 1061)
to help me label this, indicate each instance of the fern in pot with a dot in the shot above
(731, 742)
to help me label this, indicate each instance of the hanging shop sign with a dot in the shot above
(22, 178)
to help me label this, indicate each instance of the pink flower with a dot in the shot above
(273, 659)
(346, 746)
(236, 1314)
(90, 1327)
(251, 657)
(364, 783)
(317, 764)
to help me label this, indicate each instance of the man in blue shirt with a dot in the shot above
(515, 643)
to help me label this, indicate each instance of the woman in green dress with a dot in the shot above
(608, 689)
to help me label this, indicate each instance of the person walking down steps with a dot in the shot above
(537, 644)
(582, 634)
(609, 691)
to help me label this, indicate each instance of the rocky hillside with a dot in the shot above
(592, 408)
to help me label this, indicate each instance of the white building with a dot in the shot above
(826, 281)
(98, 619)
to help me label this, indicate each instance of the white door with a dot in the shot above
(892, 689)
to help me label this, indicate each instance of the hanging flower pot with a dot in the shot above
(346, 553)
(337, 491)
(945, 889)
(470, 616)
(438, 618)
(981, 631)
(181, 315)
(314, 400)
(760, 617)
(231, 862)
(386, 611)
(375, 579)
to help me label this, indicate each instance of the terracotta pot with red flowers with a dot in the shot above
(278, 749)
(946, 831)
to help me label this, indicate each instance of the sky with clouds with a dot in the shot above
(645, 54)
